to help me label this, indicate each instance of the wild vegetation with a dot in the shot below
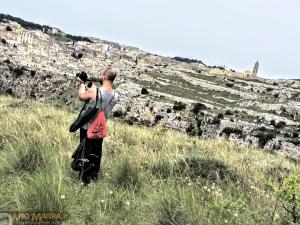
(34, 26)
(149, 175)
(187, 60)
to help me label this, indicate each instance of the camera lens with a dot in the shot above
(83, 76)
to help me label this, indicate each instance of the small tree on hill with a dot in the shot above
(8, 28)
(288, 194)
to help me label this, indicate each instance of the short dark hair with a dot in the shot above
(110, 73)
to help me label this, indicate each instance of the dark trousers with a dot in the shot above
(92, 154)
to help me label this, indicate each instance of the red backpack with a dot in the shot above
(98, 129)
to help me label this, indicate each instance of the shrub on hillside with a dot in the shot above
(144, 91)
(127, 175)
(7, 61)
(32, 73)
(18, 71)
(198, 107)
(295, 135)
(130, 119)
(118, 113)
(273, 123)
(78, 38)
(229, 84)
(228, 112)
(9, 91)
(208, 169)
(162, 169)
(187, 60)
(288, 195)
(220, 115)
(280, 124)
(294, 141)
(158, 118)
(216, 120)
(79, 56)
(231, 130)
(8, 28)
(194, 131)
(178, 105)
(264, 136)
(262, 128)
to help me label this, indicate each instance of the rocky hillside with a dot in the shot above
(41, 62)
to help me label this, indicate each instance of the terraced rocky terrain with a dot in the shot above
(41, 62)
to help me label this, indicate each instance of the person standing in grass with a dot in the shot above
(107, 98)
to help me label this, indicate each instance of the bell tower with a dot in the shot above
(255, 69)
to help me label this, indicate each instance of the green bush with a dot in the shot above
(229, 84)
(207, 169)
(220, 115)
(7, 61)
(178, 105)
(288, 195)
(19, 71)
(8, 28)
(279, 125)
(231, 130)
(130, 119)
(228, 112)
(264, 136)
(162, 169)
(198, 107)
(127, 175)
(32, 73)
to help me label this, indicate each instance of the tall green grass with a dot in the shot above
(148, 175)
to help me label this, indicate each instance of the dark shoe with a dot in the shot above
(86, 183)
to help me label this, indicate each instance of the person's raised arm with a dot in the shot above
(82, 94)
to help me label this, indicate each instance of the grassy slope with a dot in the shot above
(149, 176)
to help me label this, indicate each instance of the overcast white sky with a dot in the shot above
(234, 33)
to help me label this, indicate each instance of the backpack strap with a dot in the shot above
(86, 102)
(100, 100)
(82, 108)
(96, 97)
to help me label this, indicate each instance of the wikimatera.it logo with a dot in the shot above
(28, 218)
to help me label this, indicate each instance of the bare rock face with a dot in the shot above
(153, 90)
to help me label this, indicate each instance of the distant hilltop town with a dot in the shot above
(43, 42)
(232, 73)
